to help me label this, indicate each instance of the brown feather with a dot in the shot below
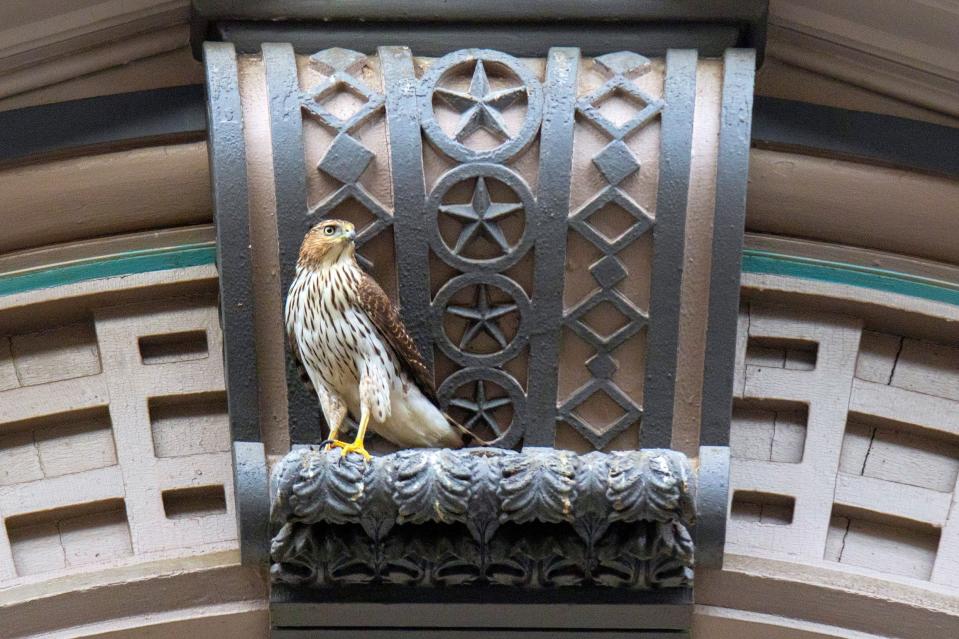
(380, 310)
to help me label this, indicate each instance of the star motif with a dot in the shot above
(482, 317)
(480, 107)
(481, 214)
(481, 407)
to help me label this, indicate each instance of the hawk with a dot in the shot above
(357, 355)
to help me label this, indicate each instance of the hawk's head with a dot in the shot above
(327, 242)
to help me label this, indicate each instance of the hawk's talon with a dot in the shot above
(346, 449)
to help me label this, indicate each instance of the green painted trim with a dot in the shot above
(764, 262)
(127, 263)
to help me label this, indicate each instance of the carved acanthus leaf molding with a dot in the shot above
(539, 518)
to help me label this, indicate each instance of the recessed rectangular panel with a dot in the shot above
(763, 508)
(886, 544)
(198, 501)
(69, 537)
(55, 354)
(189, 424)
(173, 347)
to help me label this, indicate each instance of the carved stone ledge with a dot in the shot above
(539, 518)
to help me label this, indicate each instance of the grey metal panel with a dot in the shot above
(231, 213)
(411, 220)
(292, 216)
(669, 237)
(729, 221)
(230, 201)
(712, 499)
(525, 40)
(555, 168)
(250, 485)
(109, 122)
(870, 137)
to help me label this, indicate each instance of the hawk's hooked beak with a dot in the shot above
(351, 234)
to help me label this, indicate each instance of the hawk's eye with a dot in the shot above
(329, 230)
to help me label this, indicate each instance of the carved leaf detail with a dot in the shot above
(329, 489)
(432, 485)
(541, 518)
(538, 486)
(643, 486)
(591, 509)
(377, 508)
(484, 506)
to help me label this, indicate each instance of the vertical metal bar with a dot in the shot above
(729, 221)
(411, 220)
(555, 169)
(234, 256)
(292, 221)
(227, 150)
(676, 139)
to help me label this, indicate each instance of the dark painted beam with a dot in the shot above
(157, 116)
(485, 10)
(870, 137)
(531, 39)
(140, 118)
(529, 27)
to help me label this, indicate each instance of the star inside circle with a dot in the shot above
(481, 408)
(480, 107)
(482, 318)
(481, 214)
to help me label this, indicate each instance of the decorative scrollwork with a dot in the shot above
(543, 518)
(480, 106)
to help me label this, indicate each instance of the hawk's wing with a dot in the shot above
(298, 362)
(377, 306)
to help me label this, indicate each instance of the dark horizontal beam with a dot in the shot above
(510, 23)
(484, 10)
(142, 118)
(530, 39)
(122, 120)
(871, 137)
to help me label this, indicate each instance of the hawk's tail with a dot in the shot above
(468, 436)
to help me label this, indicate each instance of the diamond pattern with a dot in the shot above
(616, 162)
(635, 320)
(580, 220)
(612, 220)
(623, 63)
(602, 366)
(608, 272)
(346, 159)
(589, 107)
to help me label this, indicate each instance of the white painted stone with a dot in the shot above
(19, 459)
(929, 368)
(55, 354)
(877, 356)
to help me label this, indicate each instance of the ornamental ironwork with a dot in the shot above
(537, 519)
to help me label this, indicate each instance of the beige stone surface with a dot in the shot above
(123, 191)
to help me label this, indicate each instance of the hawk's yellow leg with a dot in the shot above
(357, 445)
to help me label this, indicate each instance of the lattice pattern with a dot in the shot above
(844, 444)
(346, 158)
(615, 162)
(114, 440)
